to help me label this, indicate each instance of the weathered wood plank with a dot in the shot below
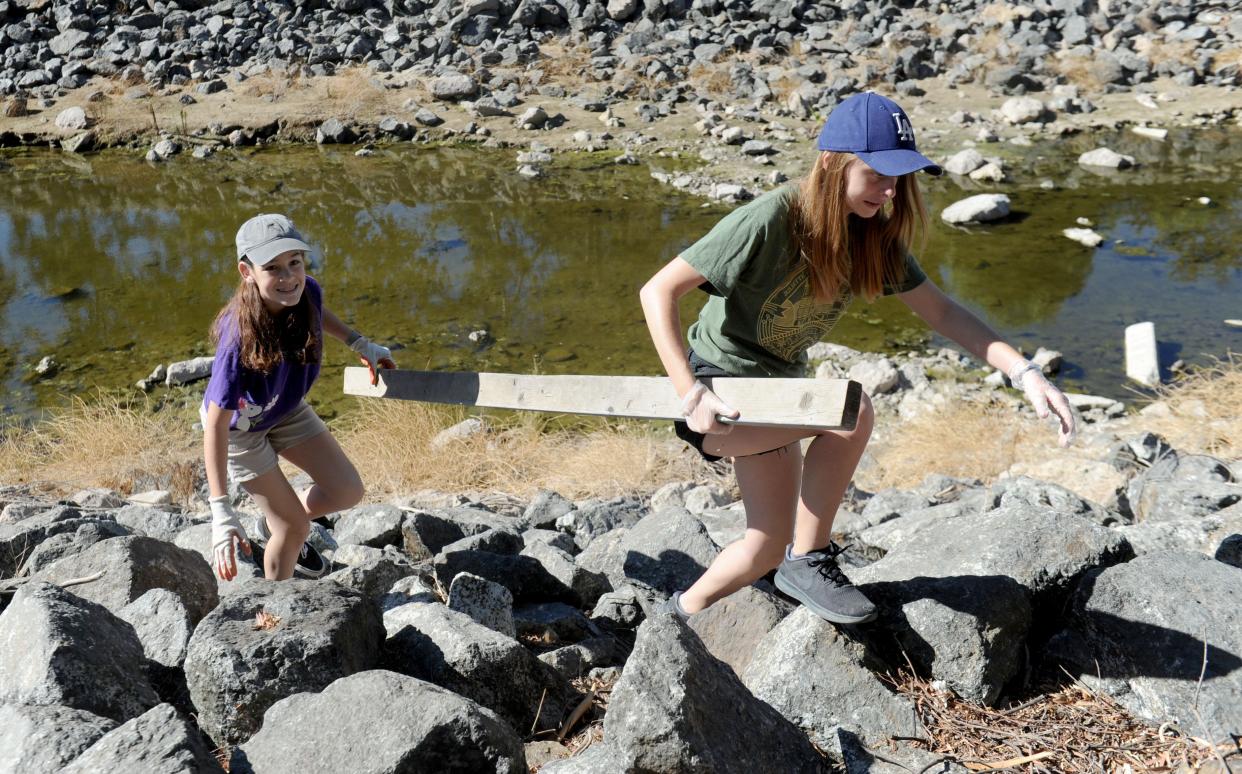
(817, 403)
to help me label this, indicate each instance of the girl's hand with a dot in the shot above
(226, 534)
(373, 355)
(1028, 377)
(701, 407)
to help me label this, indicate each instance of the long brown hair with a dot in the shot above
(267, 339)
(844, 250)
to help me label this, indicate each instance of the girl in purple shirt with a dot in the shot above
(269, 339)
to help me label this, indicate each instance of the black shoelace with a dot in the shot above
(827, 565)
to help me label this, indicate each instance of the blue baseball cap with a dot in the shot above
(876, 130)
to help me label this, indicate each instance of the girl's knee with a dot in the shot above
(767, 550)
(349, 491)
(866, 419)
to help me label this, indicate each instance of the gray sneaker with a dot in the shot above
(815, 580)
(673, 605)
(310, 565)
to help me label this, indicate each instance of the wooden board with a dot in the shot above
(815, 403)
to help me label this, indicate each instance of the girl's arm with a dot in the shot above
(215, 448)
(949, 318)
(372, 355)
(659, 299)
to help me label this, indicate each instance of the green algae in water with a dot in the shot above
(113, 265)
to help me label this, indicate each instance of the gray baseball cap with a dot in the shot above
(264, 237)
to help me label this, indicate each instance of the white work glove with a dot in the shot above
(701, 407)
(373, 355)
(226, 535)
(1029, 378)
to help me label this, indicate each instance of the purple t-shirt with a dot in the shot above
(259, 400)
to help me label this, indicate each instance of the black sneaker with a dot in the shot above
(311, 564)
(815, 580)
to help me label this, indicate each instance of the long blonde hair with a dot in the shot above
(844, 250)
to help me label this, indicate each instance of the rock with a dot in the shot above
(665, 552)
(334, 131)
(80, 143)
(134, 565)
(454, 86)
(1022, 110)
(439, 731)
(213, 86)
(448, 648)
(186, 371)
(164, 150)
(620, 10)
(374, 575)
(700, 499)
(980, 208)
(427, 117)
(321, 632)
(17, 540)
(991, 172)
(370, 525)
(592, 518)
(152, 497)
(487, 603)
(552, 623)
(152, 522)
(37, 738)
(545, 509)
(732, 628)
(524, 576)
(619, 609)
(729, 192)
(963, 614)
(876, 375)
(757, 148)
(163, 625)
(1178, 487)
(97, 498)
(1084, 236)
(71, 120)
(825, 681)
(59, 649)
(532, 118)
(159, 740)
(587, 586)
(676, 708)
(426, 533)
(1142, 631)
(577, 660)
(1105, 158)
(964, 162)
(1150, 132)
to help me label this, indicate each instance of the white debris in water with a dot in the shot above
(1083, 236)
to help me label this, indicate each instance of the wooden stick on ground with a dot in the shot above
(816, 403)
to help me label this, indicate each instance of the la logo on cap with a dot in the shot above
(905, 130)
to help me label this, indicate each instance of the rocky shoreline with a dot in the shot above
(484, 632)
(735, 87)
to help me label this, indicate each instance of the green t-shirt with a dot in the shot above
(761, 315)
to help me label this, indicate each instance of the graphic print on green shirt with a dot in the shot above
(761, 315)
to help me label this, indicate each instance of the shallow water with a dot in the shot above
(113, 265)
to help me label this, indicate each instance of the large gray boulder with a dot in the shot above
(678, 709)
(160, 741)
(134, 565)
(374, 576)
(65, 544)
(163, 625)
(370, 525)
(426, 533)
(1046, 495)
(381, 723)
(1141, 631)
(732, 628)
(959, 598)
(523, 576)
(44, 738)
(1179, 486)
(979, 208)
(586, 585)
(450, 649)
(152, 522)
(59, 649)
(665, 551)
(236, 669)
(19, 538)
(592, 518)
(826, 683)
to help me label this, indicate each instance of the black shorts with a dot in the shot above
(700, 368)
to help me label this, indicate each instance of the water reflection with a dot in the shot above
(114, 265)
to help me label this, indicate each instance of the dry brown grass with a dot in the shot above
(1159, 51)
(562, 63)
(1204, 410)
(970, 439)
(710, 79)
(390, 442)
(1067, 729)
(123, 446)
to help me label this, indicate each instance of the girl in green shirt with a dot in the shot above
(779, 272)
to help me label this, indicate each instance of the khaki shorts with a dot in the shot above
(251, 454)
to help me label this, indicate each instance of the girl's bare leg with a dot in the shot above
(784, 495)
(286, 520)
